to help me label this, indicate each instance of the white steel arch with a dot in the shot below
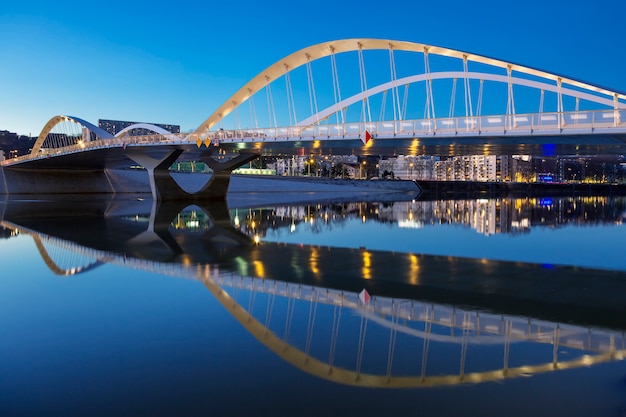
(103, 134)
(325, 49)
(329, 111)
(153, 128)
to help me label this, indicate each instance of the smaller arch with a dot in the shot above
(153, 128)
(329, 111)
(101, 133)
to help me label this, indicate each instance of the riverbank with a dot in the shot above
(470, 189)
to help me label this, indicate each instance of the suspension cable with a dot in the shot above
(479, 108)
(271, 110)
(405, 100)
(430, 100)
(394, 85)
(253, 117)
(452, 99)
(336, 89)
(382, 107)
(366, 115)
(468, 92)
(311, 83)
(291, 105)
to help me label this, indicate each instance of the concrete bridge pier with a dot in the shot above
(218, 184)
(164, 187)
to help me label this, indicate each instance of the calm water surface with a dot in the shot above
(482, 307)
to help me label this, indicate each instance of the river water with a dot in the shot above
(490, 307)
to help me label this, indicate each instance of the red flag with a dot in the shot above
(364, 296)
(365, 137)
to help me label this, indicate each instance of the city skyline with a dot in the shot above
(131, 62)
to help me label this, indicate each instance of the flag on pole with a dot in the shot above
(364, 296)
(365, 137)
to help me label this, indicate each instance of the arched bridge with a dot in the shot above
(364, 97)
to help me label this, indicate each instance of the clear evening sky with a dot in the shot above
(176, 62)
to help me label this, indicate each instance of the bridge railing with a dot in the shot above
(514, 124)
(577, 122)
(143, 140)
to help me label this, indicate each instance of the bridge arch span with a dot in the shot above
(101, 133)
(503, 79)
(321, 50)
(147, 126)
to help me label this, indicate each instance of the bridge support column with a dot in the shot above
(162, 184)
(217, 187)
(164, 187)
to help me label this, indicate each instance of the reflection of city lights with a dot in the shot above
(367, 264)
(260, 270)
(236, 220)
(242, 265)
(313, 262)
(257, 239)
(292, 228)
(414, 271)
(410, 224)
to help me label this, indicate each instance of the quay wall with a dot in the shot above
(136, 181)
(469, 189)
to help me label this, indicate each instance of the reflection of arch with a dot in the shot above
(299, 358)
(451, 75)
(147, 126)
(316, 367)
(103, 134)
(54, 267)
(325, 49)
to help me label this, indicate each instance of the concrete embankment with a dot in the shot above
(469, 189)
(135, 181)
(247, 190)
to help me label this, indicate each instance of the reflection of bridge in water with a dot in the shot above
(293, 301)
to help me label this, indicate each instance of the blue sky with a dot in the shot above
(177, 62)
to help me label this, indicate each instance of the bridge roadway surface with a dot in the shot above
(558, 293)
(119, 156)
